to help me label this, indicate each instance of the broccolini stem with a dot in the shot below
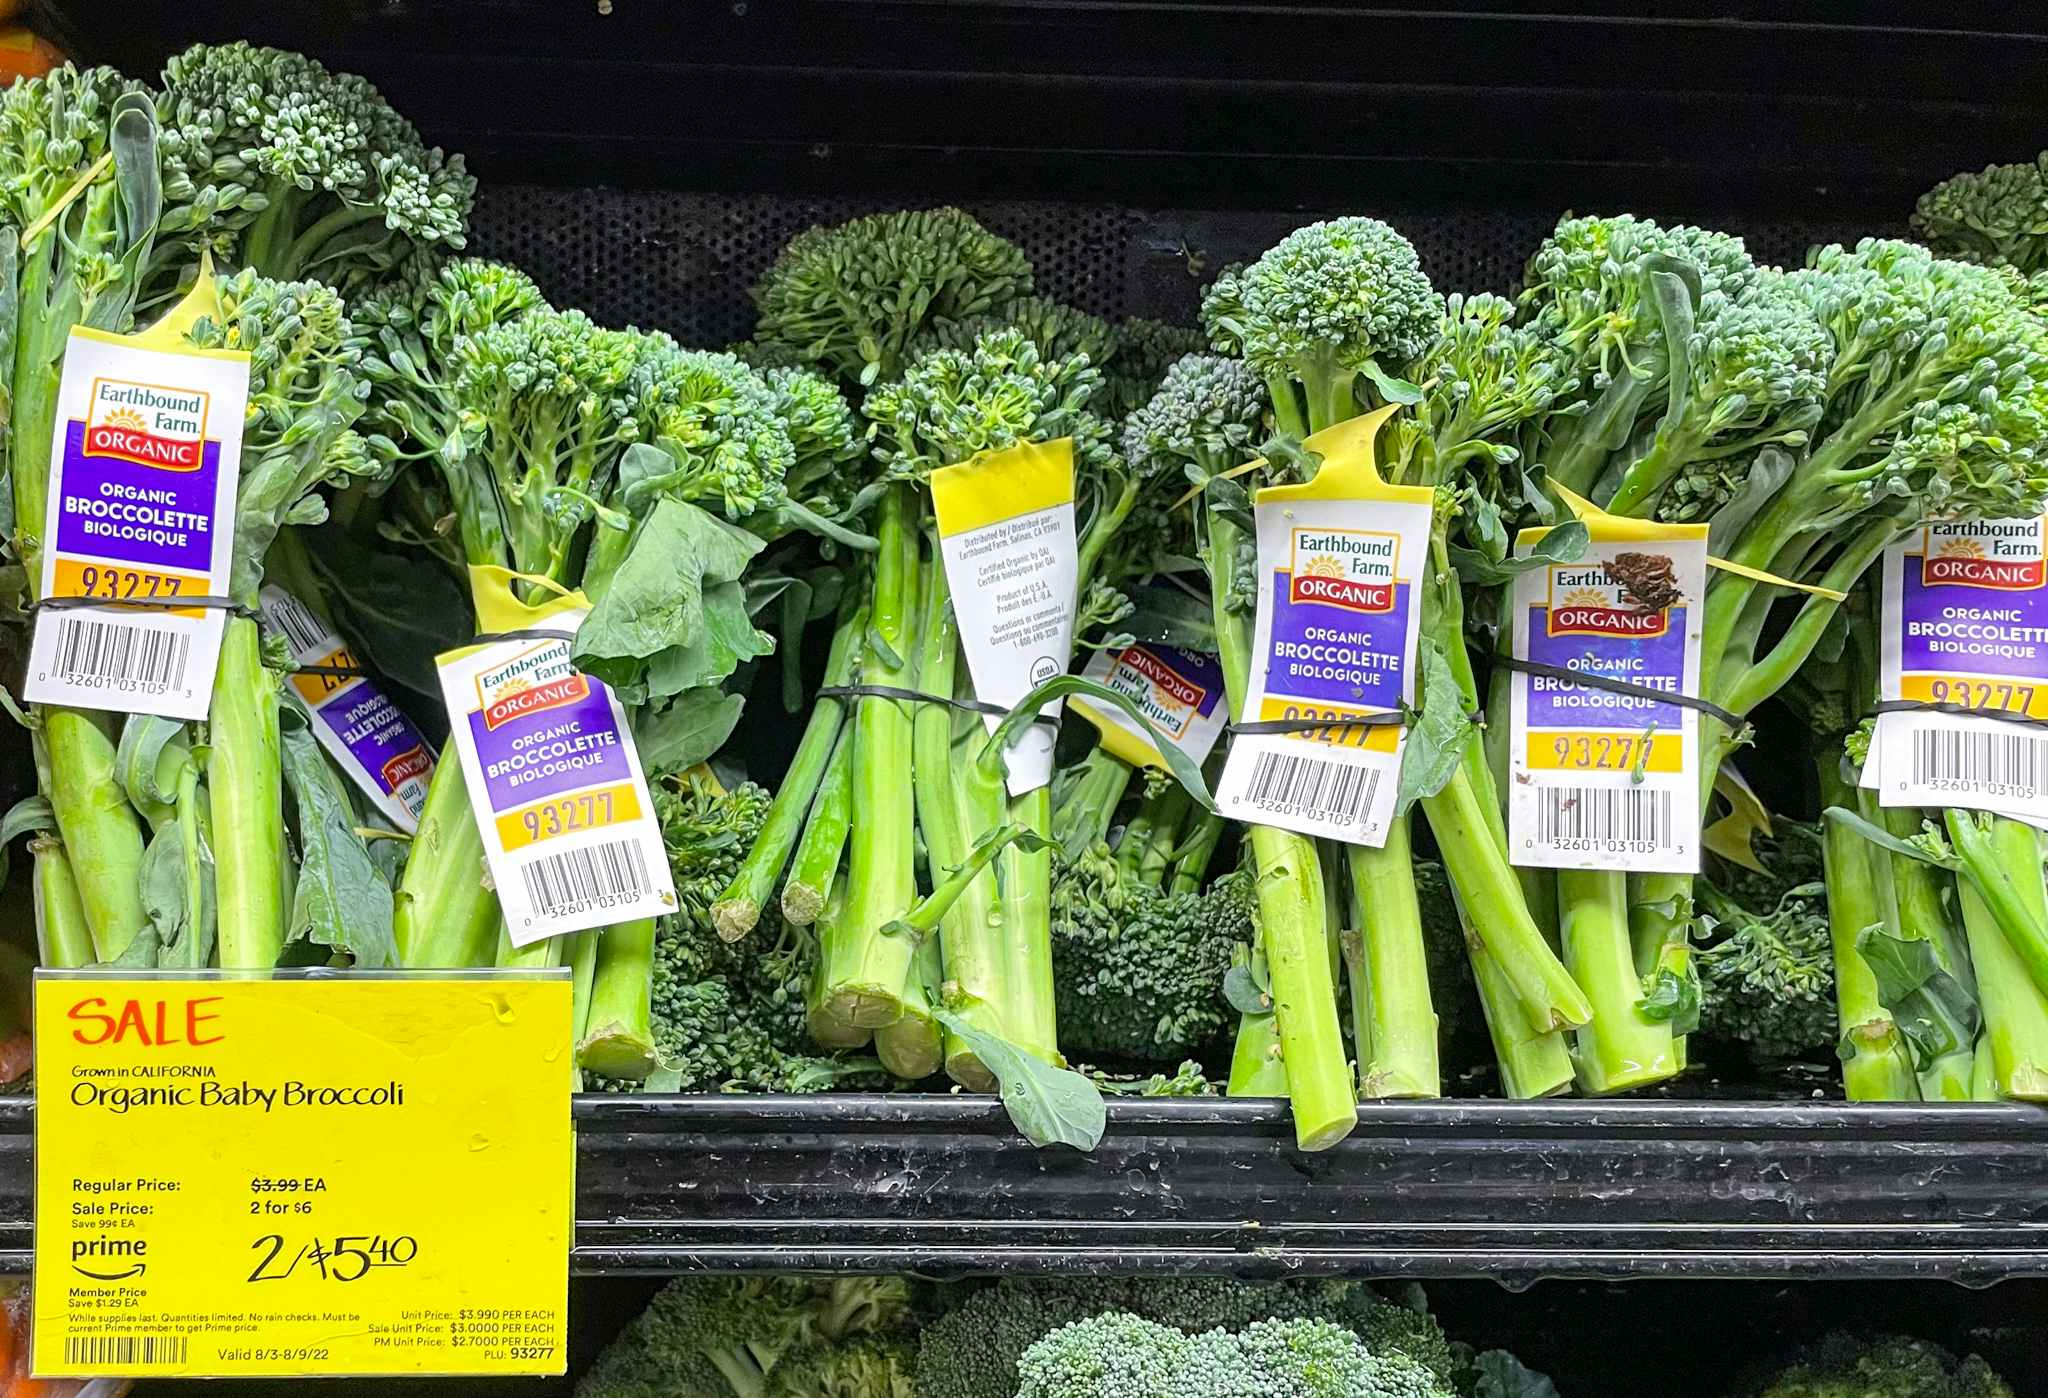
(1030, 1016)
(962, 906)
(534, 956)
(1291, 901)
(1923, 917)
(865, 971)
(1191, 861)
(2012, 1052)
(1660, 921)
(1293, 905)
(1876, 1066)
(1390, 995)
(579, 954)
(1255, 1066)
(814, 870)
(63, 941)
(445, 914)
(245, 782)
(101, 836)
(1491, 894)
(911, 1047)
(739, 907)
(2004, 866)
(1534, 1062)
(1620, 1047)
(1083, 819)
(618, 1037)
(827, 1033)
(1149, 840)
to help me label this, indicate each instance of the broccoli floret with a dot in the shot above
(1327, 305)
(543, 422)
(271, 161)
(407, 330)
(1767, 977)
(973, 1351)
(871, 1366)
(1139, 971)
(1890, 1366)
(825, 436)
(852, 298)
(729, 1016)
(1119, 1355)
(1055, 327)
(952, 405)
(305, 394)
(1146, 349)
(719, 423)
(732, 1337)
(1997, 216)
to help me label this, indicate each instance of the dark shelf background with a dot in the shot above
(1827, 111)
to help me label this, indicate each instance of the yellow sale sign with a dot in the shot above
(317, 1175)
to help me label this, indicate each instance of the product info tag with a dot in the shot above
(1598, 779)
(144, 462)
(302, 1175)
(1341, 562)
(1180, 691)
(1006, 536)
(1964, 622)
(554, 780)
(368, 736)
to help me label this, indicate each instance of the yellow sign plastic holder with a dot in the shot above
(302, 1173)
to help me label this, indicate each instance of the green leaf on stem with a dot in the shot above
(676, 612)
(1563, 544)
(1928, 848)
(1436, 742)
(1047, 1105)
(1026, 710)
(341, 900)
(685, 730)
(1924, 998)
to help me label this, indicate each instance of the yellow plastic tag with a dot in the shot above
(498, 607)
(1618, 529)
(1349, 471)
(353, 1176)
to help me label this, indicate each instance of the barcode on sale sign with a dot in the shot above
(124, 1349)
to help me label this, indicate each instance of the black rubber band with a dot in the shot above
(347, 672)
(918, 696)
(1733, 722)
(1928, 706)
(528, 634)
(144, 604)
(1386, 718)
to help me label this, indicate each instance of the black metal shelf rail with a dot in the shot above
(1512, 1191)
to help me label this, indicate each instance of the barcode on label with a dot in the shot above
(92, 1350)
(300, 626)
(1604, 816)
(1295, 784)
(2006, 761)
(91, 652)
(561, 884)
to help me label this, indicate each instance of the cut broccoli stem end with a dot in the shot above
(618, 1039)
(1385, 953)
(1292, 922)
(1876, 1065)
(1619, 1048)
(445, 914)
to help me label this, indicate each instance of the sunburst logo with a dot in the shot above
(1323, 565)
(1960, 548)
(1584, 597)
(126, 419)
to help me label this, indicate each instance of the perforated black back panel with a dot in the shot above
(683, 262)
